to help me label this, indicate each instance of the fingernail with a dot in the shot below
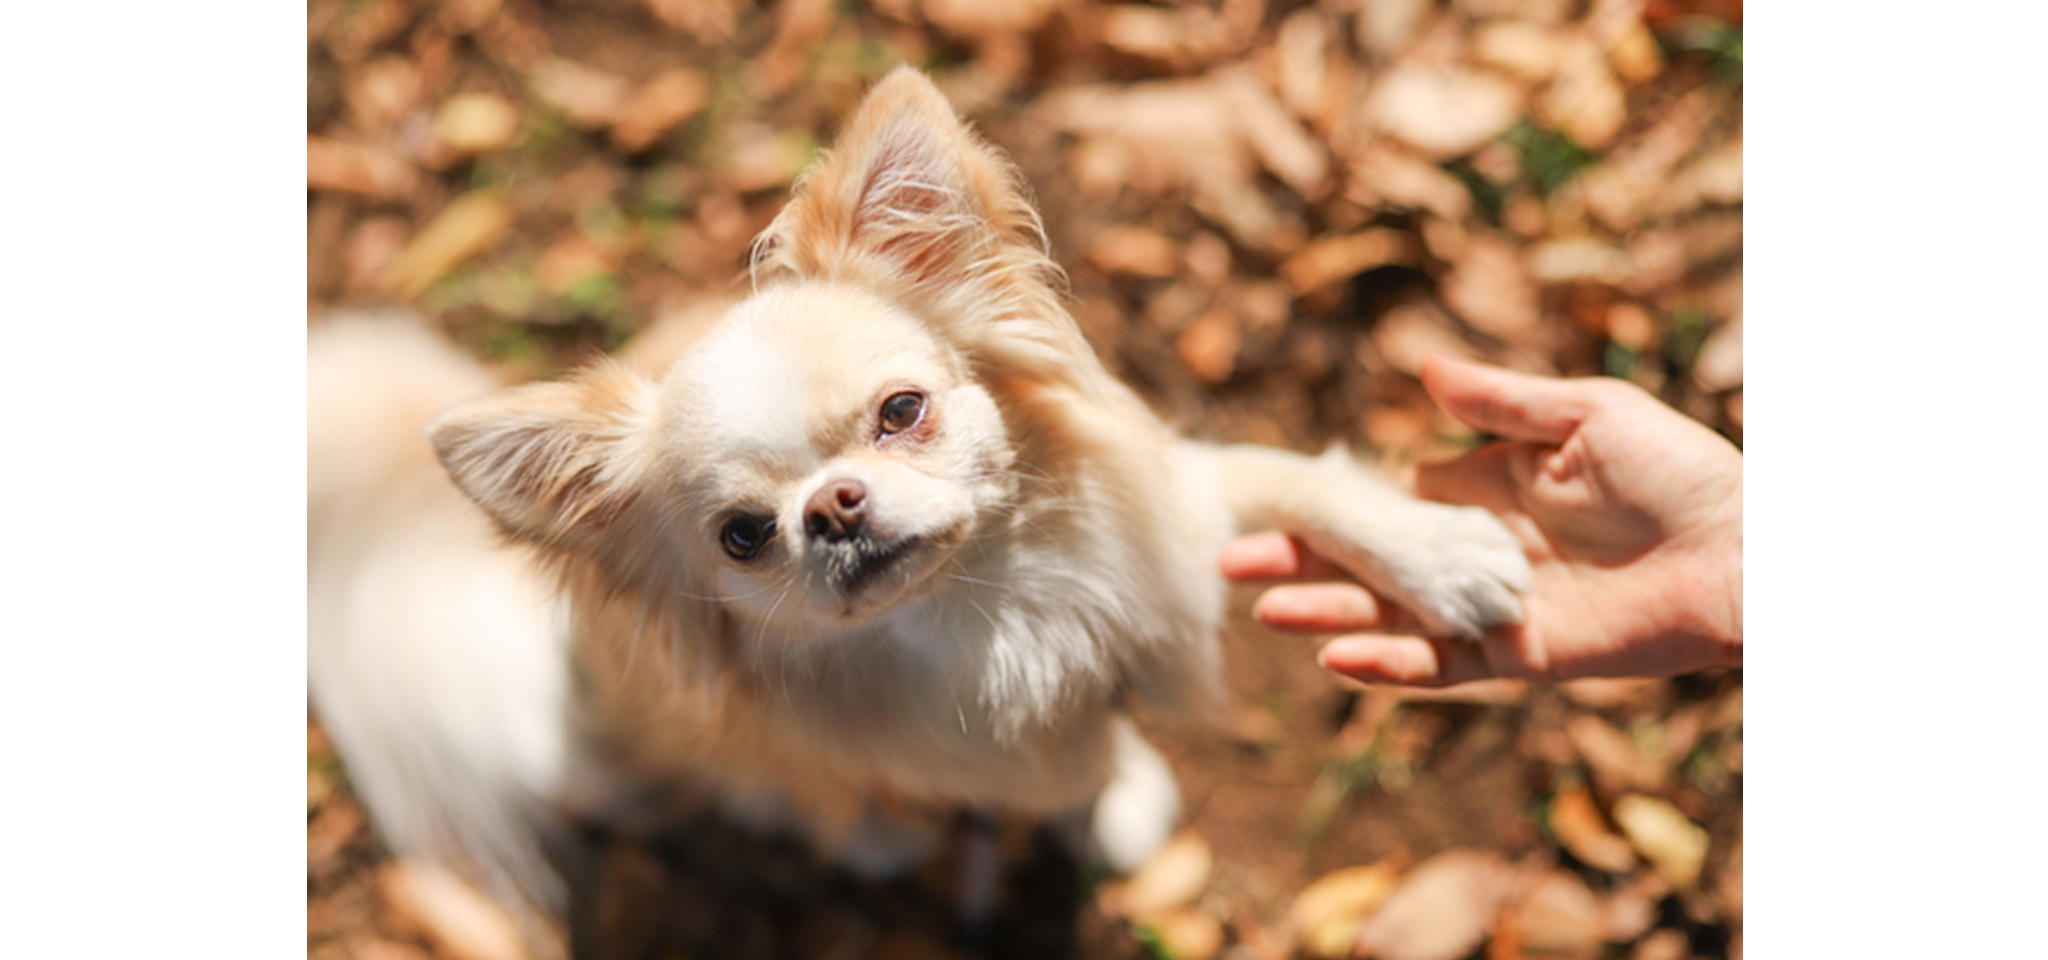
(1275, 604)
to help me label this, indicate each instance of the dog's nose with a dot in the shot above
(834, 512)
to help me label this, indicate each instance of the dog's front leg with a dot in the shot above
(1457, 568)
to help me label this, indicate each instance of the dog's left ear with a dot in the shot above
(908, 195)
(554, 464)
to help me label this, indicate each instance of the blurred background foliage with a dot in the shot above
(1271, 212)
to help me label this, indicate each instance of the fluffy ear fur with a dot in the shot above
(908, 192)
(911, 203)
(550, 462)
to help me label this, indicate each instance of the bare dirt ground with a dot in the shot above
(1270, 211)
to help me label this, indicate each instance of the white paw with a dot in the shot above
(1136, 812)
(1458, 569)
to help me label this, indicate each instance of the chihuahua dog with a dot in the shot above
(885, 536)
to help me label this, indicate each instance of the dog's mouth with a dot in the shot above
(854, 565)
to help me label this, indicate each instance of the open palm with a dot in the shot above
(1630, 512)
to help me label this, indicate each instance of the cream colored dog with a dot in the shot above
(886, 535)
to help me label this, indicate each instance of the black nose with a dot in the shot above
(834, 512)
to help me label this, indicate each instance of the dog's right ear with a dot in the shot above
(551, 462)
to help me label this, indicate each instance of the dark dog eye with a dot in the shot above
(901, 412)
(744, 536)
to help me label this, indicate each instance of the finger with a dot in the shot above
(1271, 556)
(1409, 661)
(1514, 405)
(1318, 608)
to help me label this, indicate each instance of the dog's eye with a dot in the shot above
(744, 536)
(901, 412)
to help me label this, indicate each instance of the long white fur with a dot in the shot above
(437, 659)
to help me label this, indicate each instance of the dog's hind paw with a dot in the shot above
(1137, 810)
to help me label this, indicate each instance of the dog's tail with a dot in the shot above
(436, 657)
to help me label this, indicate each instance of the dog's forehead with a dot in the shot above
(790, 366)
(753, 400)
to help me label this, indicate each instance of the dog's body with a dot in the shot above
(887, 531)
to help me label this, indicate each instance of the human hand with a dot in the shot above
(1631, 514)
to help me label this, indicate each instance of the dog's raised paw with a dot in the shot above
(1458, 569)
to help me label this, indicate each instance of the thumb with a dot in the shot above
(1513, 405)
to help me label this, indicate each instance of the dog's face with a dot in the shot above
(829, 454)
(825, 451)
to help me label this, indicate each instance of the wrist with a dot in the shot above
(1716, 614)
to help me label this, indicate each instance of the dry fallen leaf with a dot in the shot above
(1208, 132)
(381, 93)
(365, 27)
(1174, 876)
(1675, 845)
(1299, 48)
(466, 227)
(1496, 691)
(1711, 236)
(1185, 932)
(1715, 177)
(1383, 175)
(1635, 177)
(1412, 332)
(1134, 250)
(1443, 111)
(1579, 260)
(387, 950)
(1441, 911)
(1615, 763)
(1256, 727)
(1488, 287)
(1210, 343)
(319, 786)
(570, 261)
(1398, 432)
(1728, 885)
(1585, 100)
(369, 251)
(710, 21)
(1719, 364)
(474, 123)
(1527, 50)
(1636, 55)
(1149, 32)
(1607, 693)
(1554, 916)
(462, 923)
(1208, 259)
(1384, 26)
(1262, 304)
(799, 25)
(661, 105)
(1183, 37)
(1328, 911)
(354, 168)
(982, 18)
(1631, 908)
(1173, 308)
(1665, 944)
(586, 95)
(1630, 325)
(1339, 258)
(331, 830)
(763, 158)
(1583, 832)
(469, 15)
